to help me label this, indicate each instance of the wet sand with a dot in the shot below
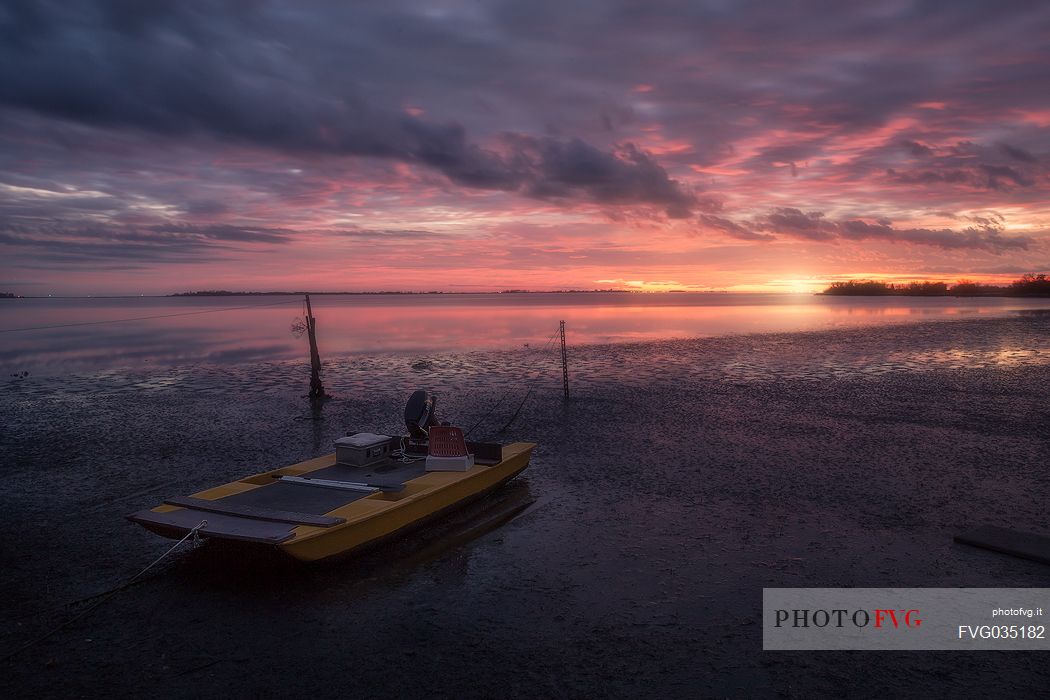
(628, 560)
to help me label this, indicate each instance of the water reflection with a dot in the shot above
(423, 323)
(445, 546)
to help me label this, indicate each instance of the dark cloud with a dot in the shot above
(218, 232)
(789, 155)
(814, 226)
(954, 176)
(798, 224)
(158, 243)
(733, 229)
(1018, 153)
(989, 221)
(968, 239)
(102, 254)
(985, 176)
(627, 176)
(999, 176)
(389, 235)
(171, 70)
(919, 150)
(206, 207)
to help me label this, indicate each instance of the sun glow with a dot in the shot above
(652, 285)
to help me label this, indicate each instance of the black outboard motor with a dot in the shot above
(420, 414)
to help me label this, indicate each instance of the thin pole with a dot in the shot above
(564, 362)
(316, 387)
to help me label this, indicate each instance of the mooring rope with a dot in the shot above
(538, 354)
(106, 595)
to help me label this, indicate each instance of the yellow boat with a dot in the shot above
(321, 508)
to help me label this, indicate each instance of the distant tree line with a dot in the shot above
(227, 293)
(1027, 286)
(214, 293)
(572, 291)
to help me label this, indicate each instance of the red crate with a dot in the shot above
(447, 441)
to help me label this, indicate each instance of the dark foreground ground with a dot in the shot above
(628, 561)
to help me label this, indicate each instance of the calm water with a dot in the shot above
(199, 330)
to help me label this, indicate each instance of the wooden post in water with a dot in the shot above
(316, 387)
(564, 362)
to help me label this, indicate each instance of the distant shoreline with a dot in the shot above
(382, 293)
(224, 293)
(1003, 293)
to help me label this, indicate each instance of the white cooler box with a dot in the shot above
(449, 464)
(362, 449)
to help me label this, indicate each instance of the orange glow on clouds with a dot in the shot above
(743, 149)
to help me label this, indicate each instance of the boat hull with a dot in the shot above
(360, 524)
(392, 525)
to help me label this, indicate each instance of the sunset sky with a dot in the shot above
(155, 147)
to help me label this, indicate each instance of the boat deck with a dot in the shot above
(388, 473)
(313, 518)
(293, 497)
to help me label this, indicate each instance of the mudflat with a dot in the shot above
(628, 561)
